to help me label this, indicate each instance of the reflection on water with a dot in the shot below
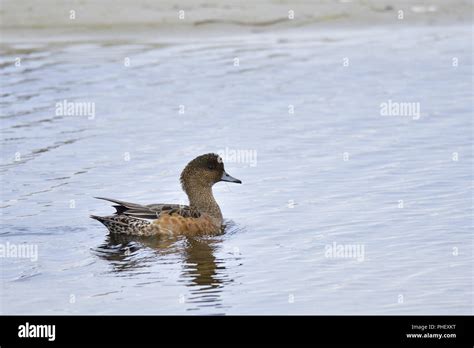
(201, 271)
(200, 263)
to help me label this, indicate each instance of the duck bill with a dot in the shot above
(228, 178)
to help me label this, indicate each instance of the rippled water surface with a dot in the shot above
(334, 171)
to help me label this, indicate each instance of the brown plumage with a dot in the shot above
(201, 216)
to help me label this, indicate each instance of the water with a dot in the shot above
(334, 171)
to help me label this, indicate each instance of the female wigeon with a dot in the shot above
(202, 216)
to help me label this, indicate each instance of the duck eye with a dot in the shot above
(211, 166)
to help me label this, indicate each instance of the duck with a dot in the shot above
(201, 216)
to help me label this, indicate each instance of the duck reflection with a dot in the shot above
(201, 270)
(126, 253)
(200, 263)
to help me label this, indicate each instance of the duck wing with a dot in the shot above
(151, 211)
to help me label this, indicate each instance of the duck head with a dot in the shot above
(203, 172)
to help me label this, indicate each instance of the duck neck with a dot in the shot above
(203, 200)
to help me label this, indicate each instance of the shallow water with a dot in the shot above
(334, 171)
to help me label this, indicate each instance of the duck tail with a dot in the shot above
(123, 224)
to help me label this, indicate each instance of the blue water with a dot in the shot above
(333, 171)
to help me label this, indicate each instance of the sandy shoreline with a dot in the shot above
(52, 20)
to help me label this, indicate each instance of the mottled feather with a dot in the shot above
(151, 211)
